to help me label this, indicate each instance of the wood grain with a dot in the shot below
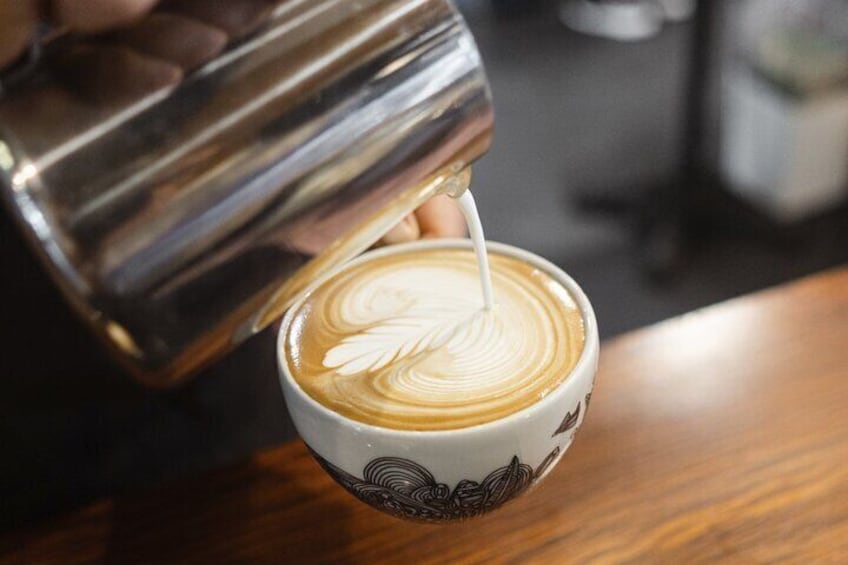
(721, 436)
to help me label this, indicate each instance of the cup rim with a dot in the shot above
(590, 344)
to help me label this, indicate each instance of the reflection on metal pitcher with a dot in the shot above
(183, 218)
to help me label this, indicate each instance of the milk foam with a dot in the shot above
(404, 341)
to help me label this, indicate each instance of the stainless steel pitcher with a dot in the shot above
(179, 219)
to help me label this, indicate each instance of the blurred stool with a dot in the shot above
(671, 217)
(511, 9)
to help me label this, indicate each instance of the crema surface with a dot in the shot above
(403, 341)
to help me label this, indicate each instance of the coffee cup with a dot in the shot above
(440, 476)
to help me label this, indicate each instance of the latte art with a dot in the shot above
(403, 341)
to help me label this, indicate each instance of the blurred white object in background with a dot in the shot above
(678, 10)
(784, 118)
(621, 20)
(785, 154)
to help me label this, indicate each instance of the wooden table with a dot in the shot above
(718, 436)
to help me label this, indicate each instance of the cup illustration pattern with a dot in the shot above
(569, 421)
(406, 489)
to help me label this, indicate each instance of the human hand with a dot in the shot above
(438, 217)
(126, 49)
(18, 19)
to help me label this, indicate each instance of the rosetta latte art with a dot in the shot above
(403, 341)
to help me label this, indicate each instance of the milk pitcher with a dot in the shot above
(181, 215)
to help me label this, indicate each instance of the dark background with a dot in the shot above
(574, 114)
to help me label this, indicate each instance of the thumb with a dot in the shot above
(405, 230)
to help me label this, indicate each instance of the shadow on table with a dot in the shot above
(254, 511)
(280, 507)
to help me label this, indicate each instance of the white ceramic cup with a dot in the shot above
(445, 475)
